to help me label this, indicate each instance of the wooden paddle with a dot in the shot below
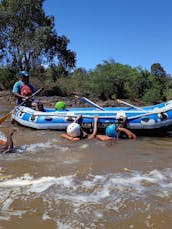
(10, 113)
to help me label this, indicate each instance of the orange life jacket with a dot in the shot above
(2, 142)
(25, 90)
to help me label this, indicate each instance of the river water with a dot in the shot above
(52, 183)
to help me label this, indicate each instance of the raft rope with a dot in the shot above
(71, 114)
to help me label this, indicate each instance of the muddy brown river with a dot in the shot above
(52, 183)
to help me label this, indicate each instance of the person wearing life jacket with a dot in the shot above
(7, 146)
(121, 118)
(22, 89)
(112, 131)
(74, 132)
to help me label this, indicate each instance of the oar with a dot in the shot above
(9, 113)
(128, 104)
(5, 117)
(156, 110)
(85, 100)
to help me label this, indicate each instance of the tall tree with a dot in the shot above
(158, 70)
(160, 75)
(28, 37)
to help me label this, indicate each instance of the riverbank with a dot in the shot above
(49, 101)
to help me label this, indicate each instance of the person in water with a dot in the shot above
(118, 130)
(75, 132)
(112, 131)
(8, 145)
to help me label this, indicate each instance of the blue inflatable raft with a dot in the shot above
(155, 119)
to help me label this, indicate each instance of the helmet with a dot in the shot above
(23, 73)
(74, 130)
(111, 131)
(120, 114)
(60, 105)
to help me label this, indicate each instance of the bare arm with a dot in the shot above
(103, 137)
(9, 143)
(67, 137)
(20, 96)
(77, 118)
(93, 135)
(127, 132)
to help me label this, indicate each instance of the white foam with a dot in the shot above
(37, 147)
(84, 146)
(35, 185)
(106, 183)
(110, 192)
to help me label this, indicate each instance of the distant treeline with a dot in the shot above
(109, 80)
(29, 41)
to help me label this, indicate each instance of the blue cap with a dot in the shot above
(111, 131)
(23, 73)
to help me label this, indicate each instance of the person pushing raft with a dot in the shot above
(112, 131)
(74, 131)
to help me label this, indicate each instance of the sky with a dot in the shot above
(132, 32)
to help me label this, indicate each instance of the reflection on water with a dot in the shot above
(53, 183)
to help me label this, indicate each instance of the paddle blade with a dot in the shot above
(5, 117)
(118, 101)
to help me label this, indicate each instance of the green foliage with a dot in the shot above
(108, 81)
(28, 41)
(157, 70)
(111, 80)
(152, 96)
(139, 82)
(7, 78)
(168, 94)
(28, 37)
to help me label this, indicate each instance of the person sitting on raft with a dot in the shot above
(75, 132)
(40, 106)
(23, 89)
(8, 145)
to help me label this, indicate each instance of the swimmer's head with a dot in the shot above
(74, 130)
(111, 131)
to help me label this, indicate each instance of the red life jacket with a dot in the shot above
(25, 90)
(2, 142)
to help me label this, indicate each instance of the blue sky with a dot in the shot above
(133, 32)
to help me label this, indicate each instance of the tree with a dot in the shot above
(157, 70)
(161, 78)
(110, 79)
(139, 83)
(28, 37)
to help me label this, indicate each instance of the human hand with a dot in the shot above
(79, 116)
(96, 118)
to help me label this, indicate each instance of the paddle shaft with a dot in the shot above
(36, 92)
(128, 104)
(85, 100)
